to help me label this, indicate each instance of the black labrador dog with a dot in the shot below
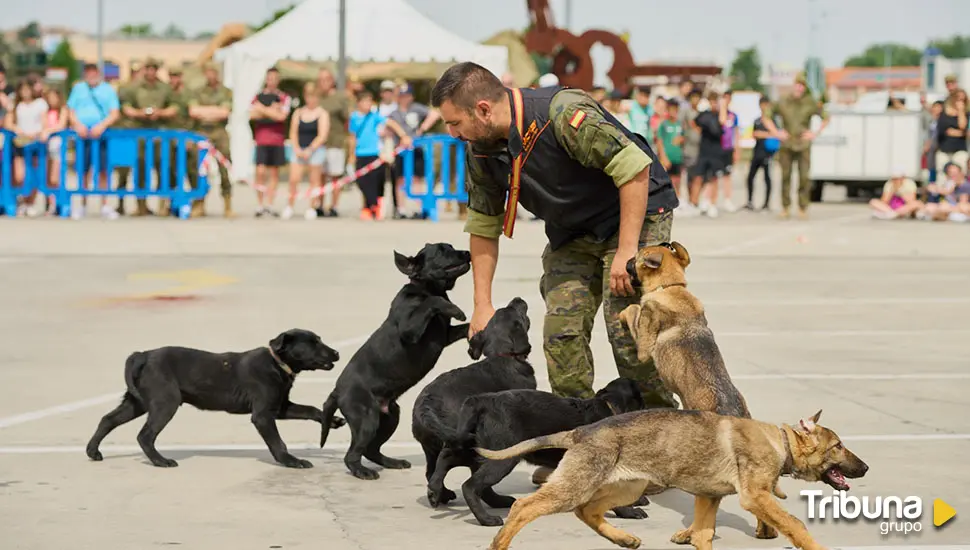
(502, 419)
(255, 382)
(398, 355)
(434, 419)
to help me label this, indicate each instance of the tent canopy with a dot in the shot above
(377, 30)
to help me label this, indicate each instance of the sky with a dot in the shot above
(658, 30)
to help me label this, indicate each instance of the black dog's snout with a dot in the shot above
(336, 355)
(467, 256)
(631, 269)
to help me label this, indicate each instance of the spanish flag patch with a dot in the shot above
(577, 119)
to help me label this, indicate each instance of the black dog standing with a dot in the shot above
(398, 355)
(434, 419)
(256, 382)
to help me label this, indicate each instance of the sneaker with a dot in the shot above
(287, 213)
(109, 213)
(21, 210)
(310, 214)
(332, 213)
(958, 217)
(260, 211)
(77, 213)
(728, 206)
(366, 214)
(686, 210)
(784, 214)
(802, 214)
(884, 215)
(711, 211)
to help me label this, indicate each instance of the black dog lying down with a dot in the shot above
(255, 382)
(434, 420)
(502, 419)
(398, 355)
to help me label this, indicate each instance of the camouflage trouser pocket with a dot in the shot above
(656, 229)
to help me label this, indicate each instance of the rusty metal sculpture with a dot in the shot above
(572, 62)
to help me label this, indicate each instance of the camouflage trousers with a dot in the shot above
(786, 158)
(219, 140)
(574, 283)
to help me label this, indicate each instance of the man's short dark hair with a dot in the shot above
(465, 84)
(694, 92)
(90, 67)
(272, 70)
(363, 94)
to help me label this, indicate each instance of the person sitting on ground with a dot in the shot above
(898, 198)
(948, 198)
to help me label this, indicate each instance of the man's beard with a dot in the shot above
(490, 136)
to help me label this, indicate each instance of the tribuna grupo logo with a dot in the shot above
(895, 514)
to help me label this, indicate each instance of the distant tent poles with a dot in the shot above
(342, 48)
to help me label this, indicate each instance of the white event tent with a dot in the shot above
(376, 30)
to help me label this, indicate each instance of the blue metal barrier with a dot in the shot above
(429, 199)
(121, 151)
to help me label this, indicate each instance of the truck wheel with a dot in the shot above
(817, 191)
(852, 191)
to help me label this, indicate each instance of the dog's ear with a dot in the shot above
(682, 254)
(808, 425)
(277, 344)
(816, 416)
(654, 260)
(476, 344)
(404, 264)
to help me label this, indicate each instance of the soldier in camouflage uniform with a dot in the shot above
(150, 103)
(181, 121)
(210, 107)
(589, 179)
(795, 112)
(134, 77)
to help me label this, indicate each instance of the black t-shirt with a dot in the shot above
(947, 143)
(759, 143)
(711, 132)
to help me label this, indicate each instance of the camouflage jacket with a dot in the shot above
(576, 158)
(142, 95)
(218, 96)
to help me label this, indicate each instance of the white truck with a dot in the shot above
(860, 149)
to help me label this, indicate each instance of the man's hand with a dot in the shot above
(480, 318)
(97, 131)
(808, 135)
(620, 283)
(81, 130)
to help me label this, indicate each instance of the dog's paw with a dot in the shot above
(642, 501)
(447, 495)
(682, 537)
(364, 473)
(395, 464)
(628, 541)
(436, 499)
(291, 461)
(459, 315)
(629, 512)
(165, 463)
(491, 521)
(765, 531)
(95, 455)
(337, 422)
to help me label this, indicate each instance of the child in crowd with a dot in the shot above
(670, 142)
(365, 129)
(949, 198)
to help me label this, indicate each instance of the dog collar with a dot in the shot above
(786, 468)
(662, 287)
(612, 408)
(279, 362)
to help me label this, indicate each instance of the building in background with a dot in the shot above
(934, 69)
(847, 84)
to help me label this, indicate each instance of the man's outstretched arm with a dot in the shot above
(486, 211)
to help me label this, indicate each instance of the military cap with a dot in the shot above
(950, 78)
(153, 62)
(175, 71)
(800, 79)
(135, 65)
(210, 66)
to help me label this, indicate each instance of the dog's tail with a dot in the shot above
(561, 440)
(133, 366)
(328, 410)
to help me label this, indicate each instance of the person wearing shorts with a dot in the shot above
(416, 119)
(339, 105)
(308, 130)
(710, 159)
(670, 143)
(898, 198)
(268, 113)
(365, 124)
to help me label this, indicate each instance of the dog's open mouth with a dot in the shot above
(834, 478)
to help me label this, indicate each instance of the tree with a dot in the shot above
(746, 70)
(63, 57)
(207, 35)
(954, 47)
(899, 55)
(172, 32)
(276, 15)
(137, 30)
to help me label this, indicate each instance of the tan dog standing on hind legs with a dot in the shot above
(670, 327)
(610, 463)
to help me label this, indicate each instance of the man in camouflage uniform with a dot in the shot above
(150, 103)
(210, 107)
(795, 112)
(134, 77)
(181, 121)
(589, 179)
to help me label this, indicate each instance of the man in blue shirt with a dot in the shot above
(94, 108)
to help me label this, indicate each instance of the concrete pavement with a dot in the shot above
(862, 319)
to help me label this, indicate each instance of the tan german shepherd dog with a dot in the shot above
(611, 462)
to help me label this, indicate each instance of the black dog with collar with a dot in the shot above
(255, 382)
